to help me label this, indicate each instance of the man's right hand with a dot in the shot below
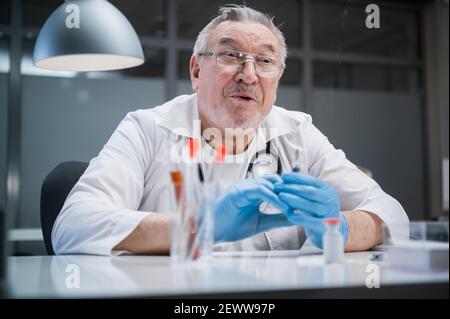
(236, 212)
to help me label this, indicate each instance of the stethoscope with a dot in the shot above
(262, 163)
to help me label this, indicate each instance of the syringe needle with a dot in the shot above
(296, 166)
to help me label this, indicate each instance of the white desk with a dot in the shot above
(271, 274)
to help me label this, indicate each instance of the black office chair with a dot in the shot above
(57, 185)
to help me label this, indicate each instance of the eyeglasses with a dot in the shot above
(233, 61)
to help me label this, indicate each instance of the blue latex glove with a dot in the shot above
(236, 212)
(311, 201)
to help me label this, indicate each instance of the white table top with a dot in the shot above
(130, 276)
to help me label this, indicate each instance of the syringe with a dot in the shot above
(296, 166)
(268, 209)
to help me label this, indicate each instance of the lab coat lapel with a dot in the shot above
(182, 117)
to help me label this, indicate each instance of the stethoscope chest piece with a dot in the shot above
(264, 164)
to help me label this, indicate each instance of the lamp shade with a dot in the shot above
(87, 35)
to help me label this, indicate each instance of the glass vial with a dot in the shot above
(333, 242)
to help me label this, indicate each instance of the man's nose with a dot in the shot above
(248, 72)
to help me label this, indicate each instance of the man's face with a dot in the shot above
(240, 99)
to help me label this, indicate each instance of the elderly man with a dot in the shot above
(121, 202)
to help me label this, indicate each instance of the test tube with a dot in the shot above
(204, 240)
(185, 183)
(177, 182)
(177, 245)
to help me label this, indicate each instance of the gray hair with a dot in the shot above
(235, 12)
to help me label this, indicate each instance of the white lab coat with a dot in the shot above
(129, 179)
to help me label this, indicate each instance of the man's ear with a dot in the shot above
(194, 69)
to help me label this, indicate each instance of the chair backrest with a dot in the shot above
(57, 185)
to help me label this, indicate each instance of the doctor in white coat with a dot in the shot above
(121, 203)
